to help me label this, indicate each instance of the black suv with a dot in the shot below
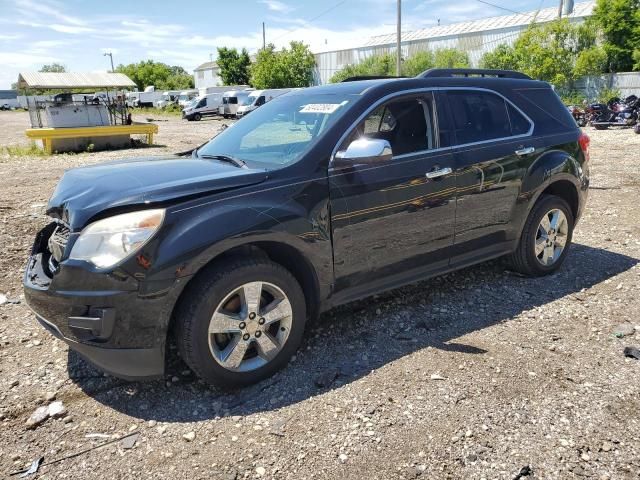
(320, 197)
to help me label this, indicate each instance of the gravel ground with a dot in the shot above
(476, 374)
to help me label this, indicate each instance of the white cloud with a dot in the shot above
(277, 6)
(47, 8)
(72, 29)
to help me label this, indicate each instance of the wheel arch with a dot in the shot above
(281, 253)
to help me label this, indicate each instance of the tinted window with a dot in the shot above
(478, 116)
(407, 124)
(233, 100)
(519, 124)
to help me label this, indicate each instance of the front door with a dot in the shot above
(394, 219)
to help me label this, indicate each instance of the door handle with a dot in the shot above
(438, 172)
(525, 151)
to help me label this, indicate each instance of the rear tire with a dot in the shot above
(528, 259)
(601, 127)
(212, 301)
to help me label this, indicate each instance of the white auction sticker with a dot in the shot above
(320, 108)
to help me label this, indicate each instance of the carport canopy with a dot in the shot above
(69, 81)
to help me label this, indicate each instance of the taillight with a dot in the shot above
(584, 142)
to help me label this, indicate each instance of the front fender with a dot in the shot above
(194, 235)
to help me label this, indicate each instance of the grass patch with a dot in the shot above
(31, 150)
(151, 111)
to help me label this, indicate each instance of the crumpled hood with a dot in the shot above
(84, 192)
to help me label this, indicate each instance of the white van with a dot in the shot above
(186, 96)
(231, 100)
(168, 97)
(201, 106)
(257, 98)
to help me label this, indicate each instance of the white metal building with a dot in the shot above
(475, 37)
(207, 75)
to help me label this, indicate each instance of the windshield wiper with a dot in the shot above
(226, 158)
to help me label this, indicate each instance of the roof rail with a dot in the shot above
(471, 72)
(368, 77)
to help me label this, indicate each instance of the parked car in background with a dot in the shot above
(202, 106)
(186, 96)
(327, 195)
(143, 99)
(231, 100)
(9, 99)
(257, 98)
(169, 97)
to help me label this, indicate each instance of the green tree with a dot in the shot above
(234, 66)
(450, 58)
(265, 70)
(636, 59)
(548, 52)
(418, 63)
(590, 61)
(619, 21)
(53, 68)
(298, 63)
(160, 75)
(379, 65)
(287, 68)
(502, 58)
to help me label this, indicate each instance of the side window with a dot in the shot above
(519, 124)
(260, 101)
(407, 124)
(478, 116)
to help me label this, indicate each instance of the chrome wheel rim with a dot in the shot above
(250, 326)
(551, 237)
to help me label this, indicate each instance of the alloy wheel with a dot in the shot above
(250, 326)
(551, 237)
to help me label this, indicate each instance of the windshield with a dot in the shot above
(247, 101)
(281, 131)
(184, 97)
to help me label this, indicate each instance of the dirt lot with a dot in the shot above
(473, 375)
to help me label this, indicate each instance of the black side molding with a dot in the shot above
(471, 72)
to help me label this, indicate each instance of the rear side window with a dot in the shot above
(519, 124)
(233, 100)
(481, 116)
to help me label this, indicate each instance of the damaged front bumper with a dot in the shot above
(102, 316)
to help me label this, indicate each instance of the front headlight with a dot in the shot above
(106, 242)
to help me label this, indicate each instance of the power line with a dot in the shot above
(498, 6)
(309, 21)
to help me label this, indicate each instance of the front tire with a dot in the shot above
(197, 117)
(241, 321)
(546, 238)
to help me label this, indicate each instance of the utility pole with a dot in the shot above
(560, 7)
(398, 40)
(110, 55)
(264, 38)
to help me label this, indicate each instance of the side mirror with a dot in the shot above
(365, 150)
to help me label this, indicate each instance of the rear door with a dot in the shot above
(391, 219)
(492, 152)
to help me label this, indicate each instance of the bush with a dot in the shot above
(607, 94)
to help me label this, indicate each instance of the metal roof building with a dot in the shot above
(51, 80)
(475, 37)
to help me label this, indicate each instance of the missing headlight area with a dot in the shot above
(48, 250)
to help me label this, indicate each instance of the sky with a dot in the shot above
(77, 33)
